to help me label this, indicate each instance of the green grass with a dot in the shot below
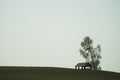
(47, 73)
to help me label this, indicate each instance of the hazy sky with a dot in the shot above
(49, 32)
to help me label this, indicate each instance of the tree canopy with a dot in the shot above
(91, 54)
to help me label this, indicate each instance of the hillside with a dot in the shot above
(47, 73)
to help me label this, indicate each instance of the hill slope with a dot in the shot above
(46, 73)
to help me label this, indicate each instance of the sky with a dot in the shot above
(48, 33)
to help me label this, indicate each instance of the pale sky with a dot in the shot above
(48, 33)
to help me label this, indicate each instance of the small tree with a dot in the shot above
(91, 54)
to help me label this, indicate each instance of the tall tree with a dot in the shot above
(91, 54)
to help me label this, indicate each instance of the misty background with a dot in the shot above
(49, 32)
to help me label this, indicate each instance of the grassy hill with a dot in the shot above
(47, 73)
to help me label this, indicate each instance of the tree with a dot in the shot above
(91, 54)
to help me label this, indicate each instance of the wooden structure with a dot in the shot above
(83, 66)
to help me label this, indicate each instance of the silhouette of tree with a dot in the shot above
(91, 54)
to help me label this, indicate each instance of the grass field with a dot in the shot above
(47, 73)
